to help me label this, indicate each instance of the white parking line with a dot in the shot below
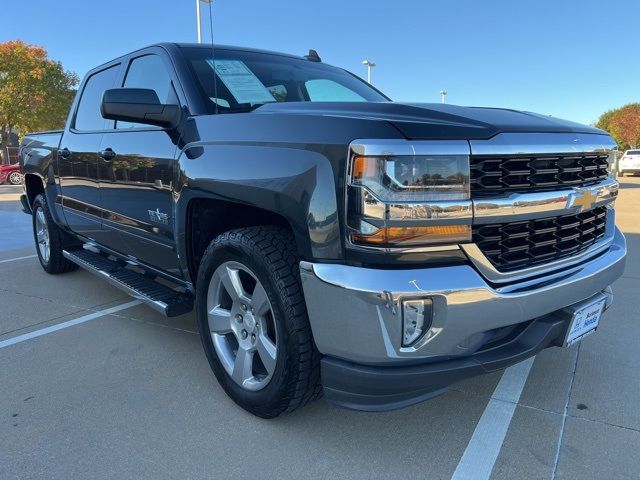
(17, 258)
(67, 324)
(484, 447)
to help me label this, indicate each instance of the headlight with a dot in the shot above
(413, 178)
(409, 200)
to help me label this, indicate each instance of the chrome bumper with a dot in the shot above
(354, 312)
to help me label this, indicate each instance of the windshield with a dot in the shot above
(247, 80)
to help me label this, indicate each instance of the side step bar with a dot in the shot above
(165, 300)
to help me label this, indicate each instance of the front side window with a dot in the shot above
(246, 80)
(149, 72)
(88, 115)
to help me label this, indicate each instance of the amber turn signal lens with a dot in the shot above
(412, 236)
(364, 167)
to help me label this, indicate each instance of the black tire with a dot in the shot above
(58, 240)
(270, 254)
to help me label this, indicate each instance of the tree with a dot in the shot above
(623, 124)
(35, 91)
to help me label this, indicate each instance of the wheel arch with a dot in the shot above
(34, 185)
(207, 217)
(256, 184)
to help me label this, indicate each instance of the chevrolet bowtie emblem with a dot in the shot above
(586, 200)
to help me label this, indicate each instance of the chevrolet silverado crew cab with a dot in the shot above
(330, 240)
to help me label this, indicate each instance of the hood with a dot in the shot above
(434, 120)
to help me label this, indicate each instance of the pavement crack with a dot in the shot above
(15, 330)
(601, 422)
(147, 322)
(43, 299)
(564, 415)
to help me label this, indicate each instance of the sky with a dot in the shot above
(567, 58)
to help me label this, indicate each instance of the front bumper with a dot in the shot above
(356, 323)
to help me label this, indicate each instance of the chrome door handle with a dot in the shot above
(107, 154)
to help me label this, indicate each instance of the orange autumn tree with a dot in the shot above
(623, 124)
(35, 91)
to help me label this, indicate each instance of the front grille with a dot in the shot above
(497, 173)
(512, 246)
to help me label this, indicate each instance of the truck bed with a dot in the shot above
(38, 150)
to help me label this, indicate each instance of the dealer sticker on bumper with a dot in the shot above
(584, 322)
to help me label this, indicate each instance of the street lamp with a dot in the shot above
(198, 18)
(369, 64)
(443, 93)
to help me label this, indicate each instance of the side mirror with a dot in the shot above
(139, 105)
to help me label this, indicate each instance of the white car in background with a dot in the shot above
(629, 163)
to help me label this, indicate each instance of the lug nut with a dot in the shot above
(253, 337)
(239, 318)
(243, 307)
(244, 334)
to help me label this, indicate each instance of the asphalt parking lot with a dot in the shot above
(129, 394)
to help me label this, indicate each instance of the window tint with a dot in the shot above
(633, 152)
(149, 72)
(325, 90)
(88, 115)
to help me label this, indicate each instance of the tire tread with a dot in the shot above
(276, 244)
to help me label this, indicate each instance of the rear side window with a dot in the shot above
(633, 152)
(149, 72)
(88, 115)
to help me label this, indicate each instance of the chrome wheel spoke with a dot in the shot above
(267, 352)
(230, 278)
(219, 320)
(42, 234)
(259, 300)
(242, 366)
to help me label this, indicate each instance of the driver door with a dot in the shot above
(137, 171)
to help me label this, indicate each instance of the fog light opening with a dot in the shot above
(416, 320)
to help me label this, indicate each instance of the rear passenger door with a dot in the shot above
(137, 170)
(78, 155)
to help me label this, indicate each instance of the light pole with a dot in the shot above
(443, 93)
(198, 18)
(369, 65)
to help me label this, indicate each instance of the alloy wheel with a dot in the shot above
(42, 235)
(242, 325)
(15, 178)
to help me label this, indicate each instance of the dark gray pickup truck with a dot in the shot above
(330, 240)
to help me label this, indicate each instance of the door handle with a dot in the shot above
(107, 154)
(64, 153)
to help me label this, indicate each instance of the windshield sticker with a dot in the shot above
(241, 82)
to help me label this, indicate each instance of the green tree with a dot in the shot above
(623, 124)
(35, 91)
